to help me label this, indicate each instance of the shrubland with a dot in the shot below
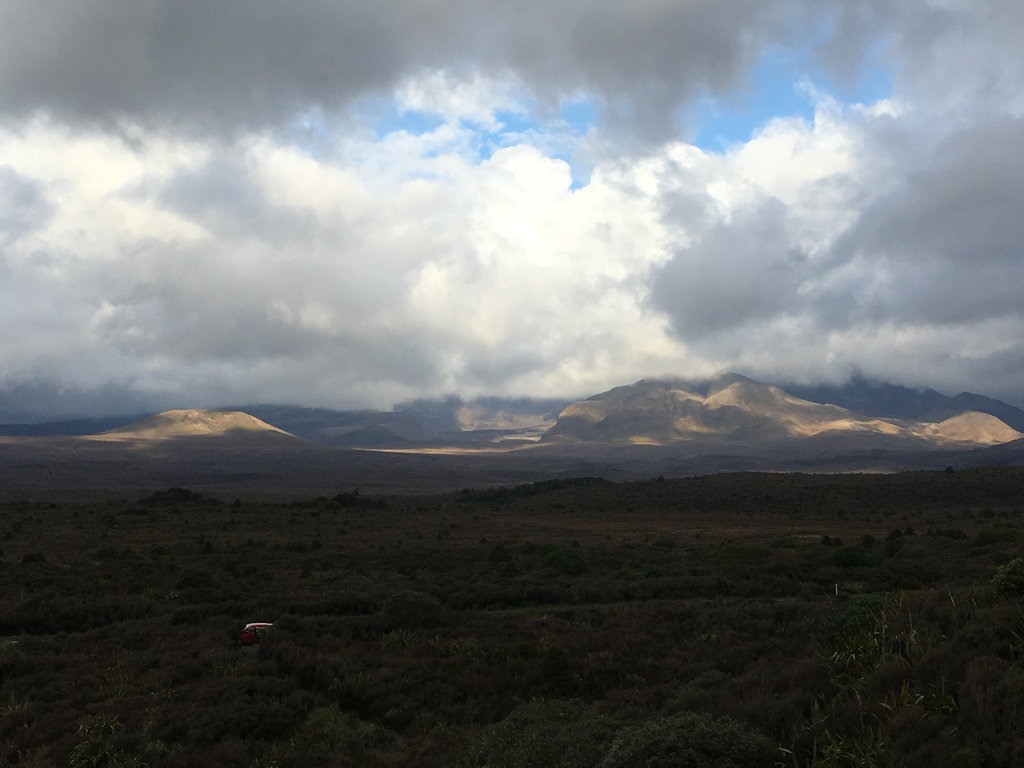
(726, 620)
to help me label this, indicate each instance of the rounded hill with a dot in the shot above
(192, 423)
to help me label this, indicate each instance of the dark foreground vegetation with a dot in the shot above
(728, 620)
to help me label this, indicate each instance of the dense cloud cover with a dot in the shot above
(352, 204)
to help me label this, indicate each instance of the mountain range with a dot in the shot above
(873, 398)
(669, 427)
(727, 409)
(734, 408)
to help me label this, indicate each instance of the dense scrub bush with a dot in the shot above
(552, 734)
(995, 534)
(567, 561)
(990, 701)
(854, 557)
(329, 732)
(1009, 579)
(742, 551)
(856, 615)
(967, 758)
(408, 609)
(690, 740)
(949, 533)
(96, 748)
(194, 578)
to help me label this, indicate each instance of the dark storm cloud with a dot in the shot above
(31, 399)
(949, 235)
(962, 202)
(959, 58)
(243, 64)
(735, 274)
(644, 58)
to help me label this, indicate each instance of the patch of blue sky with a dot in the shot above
(578, 118)
(556, 135)
(778, 88)
(388, 118)
(579, 172)
(517, 122)
(315, 131)
(486, 140)
(579, 115)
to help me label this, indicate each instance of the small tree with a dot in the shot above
(1009, 579)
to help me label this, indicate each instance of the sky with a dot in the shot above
(346, 204)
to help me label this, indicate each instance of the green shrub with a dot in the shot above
(188, 614)
(1009, 579)
(194, 578)
(328, 730)
(950, 533)
(853, 557)
(741, 551)
(859, 613)
(690, 740)
(550, 734)
(96, 749)
(566, 560)
(407, 609)
(783, 569)
(995, 534)
(967, 758)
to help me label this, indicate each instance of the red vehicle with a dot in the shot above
(252, 633)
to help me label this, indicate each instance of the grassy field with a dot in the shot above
(748, 619)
